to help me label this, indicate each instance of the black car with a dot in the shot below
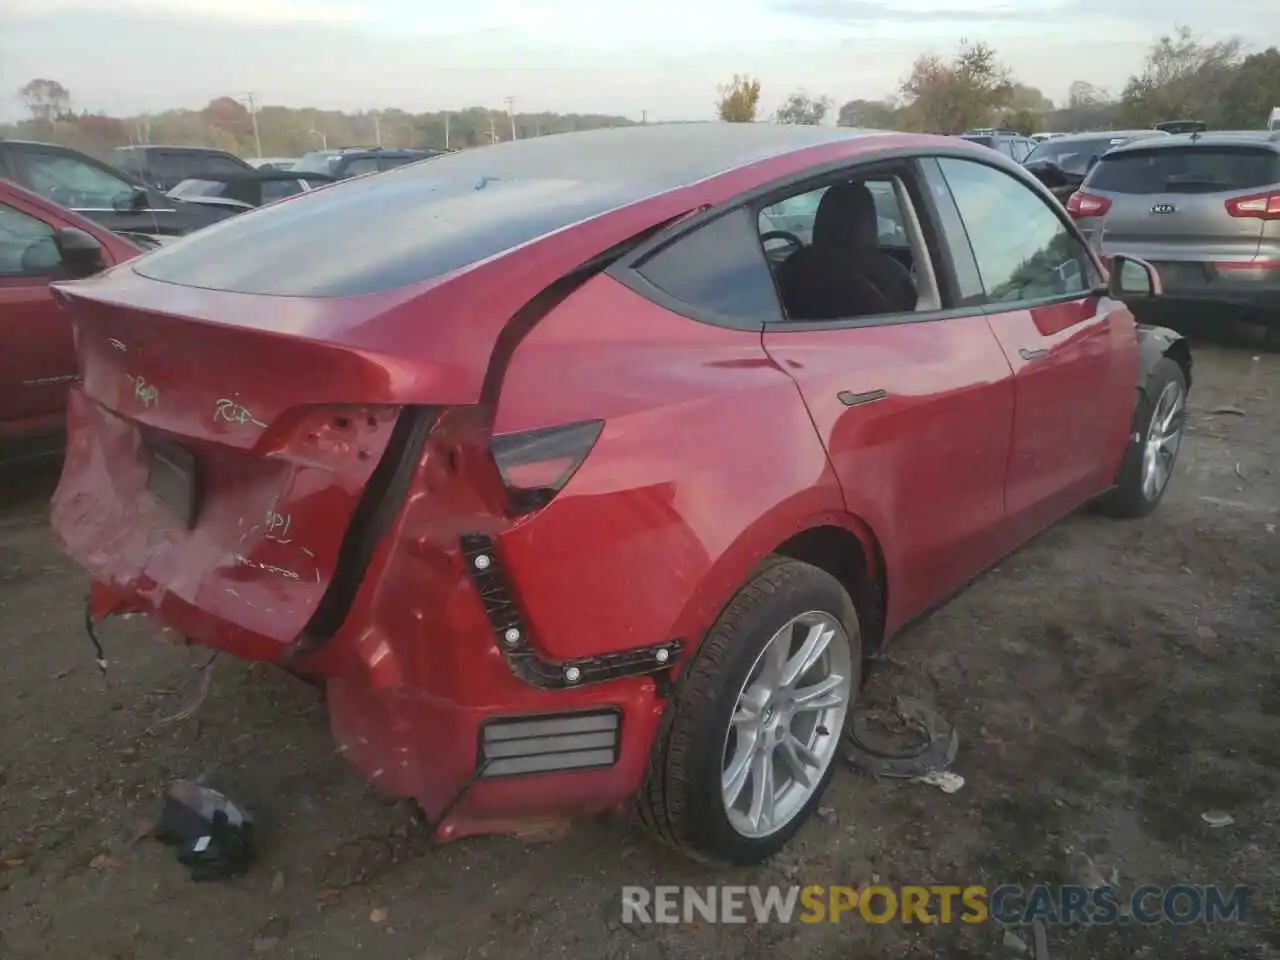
(111, 197)
(244, 191)
(1009, 142)
(1062, 163)
(164, 167)
(353, 161)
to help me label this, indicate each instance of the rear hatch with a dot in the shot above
(251, 393)
(215, 467)
(1171, 205)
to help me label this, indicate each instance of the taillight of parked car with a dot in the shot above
(1258, 206)
(536, 464)
(1082, 204)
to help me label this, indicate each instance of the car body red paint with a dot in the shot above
(719, 445)
(37, 359)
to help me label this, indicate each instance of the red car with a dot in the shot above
(40, 242)
(576, 482)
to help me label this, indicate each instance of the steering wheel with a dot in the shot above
(790, 238)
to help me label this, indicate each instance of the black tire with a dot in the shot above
(681, 802)
(1128, 499)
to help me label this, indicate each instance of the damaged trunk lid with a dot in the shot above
(213, 471)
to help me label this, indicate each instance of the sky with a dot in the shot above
(665, 57)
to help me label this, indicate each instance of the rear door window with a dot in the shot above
(1186, 169)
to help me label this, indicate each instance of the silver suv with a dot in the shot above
(1204, 208)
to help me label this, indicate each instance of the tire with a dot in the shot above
(683, 801)
(1133, 496)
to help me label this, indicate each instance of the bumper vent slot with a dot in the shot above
(550, 743)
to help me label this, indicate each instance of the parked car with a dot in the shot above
(352, 161)
(1273, 121)
(272, 163)
(1204, 208)
(246, 191)
(41, 242)
(1182, 126)
(1008, 142)
(1062, 162)
(1038, 138)
(571, 491)
(164, 167)
(116, 200)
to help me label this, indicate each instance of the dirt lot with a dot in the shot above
(1111, 683)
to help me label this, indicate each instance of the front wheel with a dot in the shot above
(1148, 464)
(749, 746)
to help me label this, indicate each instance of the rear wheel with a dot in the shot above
(1148, 464)
(749, 745)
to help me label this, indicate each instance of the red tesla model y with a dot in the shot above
(589, 470)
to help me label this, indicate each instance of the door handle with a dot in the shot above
(1026, 354)
(857, 399)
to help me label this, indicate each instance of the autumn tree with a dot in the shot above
(1181, 78)
(951, 96)
(739, 99)
(1025, 122)
(868, 114)
(804, 109)
(46, 100)
(1253, 92)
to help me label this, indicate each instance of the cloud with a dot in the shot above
(244, 11)
(852, 12)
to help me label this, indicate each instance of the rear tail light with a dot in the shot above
(1082, 204)
(536, 464)
(1260, 206)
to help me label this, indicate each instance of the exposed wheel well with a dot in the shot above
(843, 554)
(1180, 353)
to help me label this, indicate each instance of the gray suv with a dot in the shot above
(1204, 208)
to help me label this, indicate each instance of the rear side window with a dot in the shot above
(719, 268)
(1189, 169)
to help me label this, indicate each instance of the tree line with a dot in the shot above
(228, 123)
(1182, 77)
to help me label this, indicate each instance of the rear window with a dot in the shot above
(1187, 169)
(1073, 156)
(376, 233)
(985, 141)
(190, 163)
(316, 162)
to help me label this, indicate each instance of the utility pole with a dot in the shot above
(253, 115)
(493, 130)
(644, 116)
(446, 129)
(377, 128)
(511, 113)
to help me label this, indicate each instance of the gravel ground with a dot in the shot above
(1110, 683)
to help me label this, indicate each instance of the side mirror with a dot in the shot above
(1132, 279)
(133, 202)
(80, 252)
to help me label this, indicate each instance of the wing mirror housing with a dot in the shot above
(1132, 279)
(80, 251)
